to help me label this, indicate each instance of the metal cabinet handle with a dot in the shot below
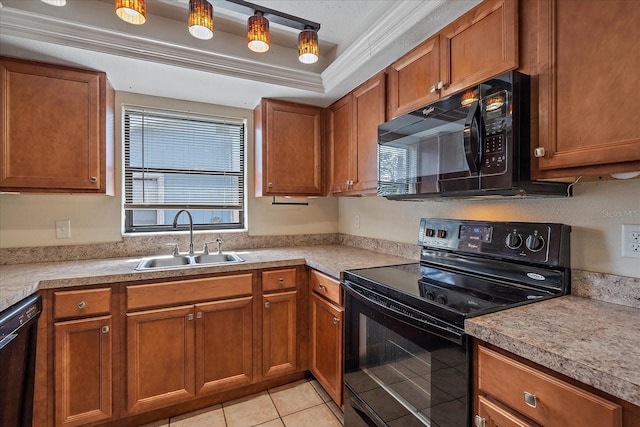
(267, 304)
(281, 280)
(432, 89)
(82, 305)
(321, 286)
(479, 421)
(539, 152)
(93, 179)
(335, 320)
(199, 315)
(105, 329)
(530, 399)
(270, 185)
(190, 316)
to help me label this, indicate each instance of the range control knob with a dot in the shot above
(430, 295)
(513, 240)
(535, 242)
(441, 299)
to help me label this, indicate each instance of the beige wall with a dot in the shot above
(29, 220)
(596, 212)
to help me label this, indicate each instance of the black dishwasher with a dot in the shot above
(18, 326)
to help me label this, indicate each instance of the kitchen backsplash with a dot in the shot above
(605, 287)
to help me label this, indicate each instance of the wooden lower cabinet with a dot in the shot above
(83, 370)
(491, 414)
(160, 357)
(526, 393)
(279, 334)
(224, 339)
(326, 345)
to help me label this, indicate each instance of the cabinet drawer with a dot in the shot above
(325, 286)
(541, 397)
(86, 302)
(277, 280)
(185, 291)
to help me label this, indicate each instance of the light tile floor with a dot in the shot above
(300, 404)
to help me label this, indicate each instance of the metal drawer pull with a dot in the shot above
(105, 329)
(93, 179)
(281, 280)
(199, 315)
(321, 286)
(530, 399)
(335, 320)
(267, 304)
(190, 317)
(82, 305)
(479, 421)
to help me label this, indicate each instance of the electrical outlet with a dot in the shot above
(63, 229)
(356, 221)
(631, 240)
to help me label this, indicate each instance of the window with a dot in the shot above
(176, 161)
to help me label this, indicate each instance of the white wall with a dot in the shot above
(596, 212)
(29, 220)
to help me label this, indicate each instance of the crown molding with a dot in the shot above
(397, 21)
(35, 26)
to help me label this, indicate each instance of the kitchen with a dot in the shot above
(600, 204)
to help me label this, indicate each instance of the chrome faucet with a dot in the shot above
(175, 224)
(219, 242)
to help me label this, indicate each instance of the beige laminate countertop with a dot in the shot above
(594, 342)
(21, 280)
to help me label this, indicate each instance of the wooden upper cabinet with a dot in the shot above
(353, 138)
(587, 82)
(57, 133)
(288, 139)
(479, 45)
(342, 153)
(411, 78)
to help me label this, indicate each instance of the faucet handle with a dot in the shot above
(176, 249)
(205, 249)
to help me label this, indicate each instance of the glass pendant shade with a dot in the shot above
(55, 2)
(131, 11)
(258, 33)
(308, 46)
(201, 19)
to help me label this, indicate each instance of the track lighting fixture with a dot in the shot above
(131, 11)
(201, 19)
(258, 33)
(308, 46)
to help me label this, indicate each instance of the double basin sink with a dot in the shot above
(182, 261)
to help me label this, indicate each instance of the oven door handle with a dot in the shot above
(418, 320)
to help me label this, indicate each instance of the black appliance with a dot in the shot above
(408, 360)
(18, 326)
(474, 143)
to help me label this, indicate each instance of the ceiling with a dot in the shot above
(357, 39)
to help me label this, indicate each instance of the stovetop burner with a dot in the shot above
(469, 268)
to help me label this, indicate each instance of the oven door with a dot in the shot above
(402, 367)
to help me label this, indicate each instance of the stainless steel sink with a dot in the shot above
(183, 261)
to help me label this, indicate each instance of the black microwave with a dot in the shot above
(474, 143)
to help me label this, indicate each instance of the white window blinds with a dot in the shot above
(178, 161)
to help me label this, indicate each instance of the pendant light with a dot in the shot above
(201, 19)
(308, 46)
(131, 11)
(258, 33)
(55, 2)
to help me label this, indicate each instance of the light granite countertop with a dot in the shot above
(18, 281)
(594, 342)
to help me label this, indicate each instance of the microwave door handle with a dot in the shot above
(472, 137)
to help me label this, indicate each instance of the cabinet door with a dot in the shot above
(160, 357)
(289, 159)
(279, 333)
(492, 415)
(587, 84)
(479, 45)
(224, 338)
(326, 345)
(369, 109)
(410, 79)
(342, 145)
(54, 134)
(83, 371)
